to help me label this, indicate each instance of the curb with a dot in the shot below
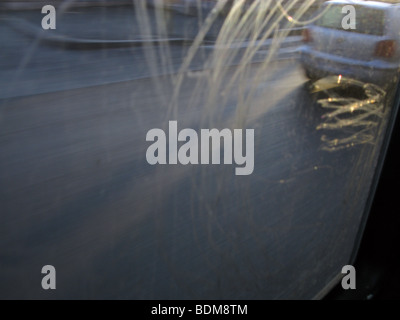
(37, 5)
(32, 31)
(63, 41)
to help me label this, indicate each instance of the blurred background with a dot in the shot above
(76, 191)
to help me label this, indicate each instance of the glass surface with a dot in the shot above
(78, 192)
(368, 20)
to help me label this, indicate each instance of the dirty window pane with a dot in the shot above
(187, 149)
(368, 21)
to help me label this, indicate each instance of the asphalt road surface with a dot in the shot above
(76, 191)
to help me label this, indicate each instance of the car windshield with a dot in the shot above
(368, 20)
(184, 149)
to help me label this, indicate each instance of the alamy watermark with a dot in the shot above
(349, 280)
(49, 280)
(196, 150)
(49, 20)
(349, 20)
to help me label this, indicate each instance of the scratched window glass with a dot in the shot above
(370, 21)
(189, 149)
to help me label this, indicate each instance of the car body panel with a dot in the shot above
(352, 53)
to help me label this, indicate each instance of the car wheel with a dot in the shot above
(310, 75)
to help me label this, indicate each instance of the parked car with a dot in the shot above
(370, 52)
